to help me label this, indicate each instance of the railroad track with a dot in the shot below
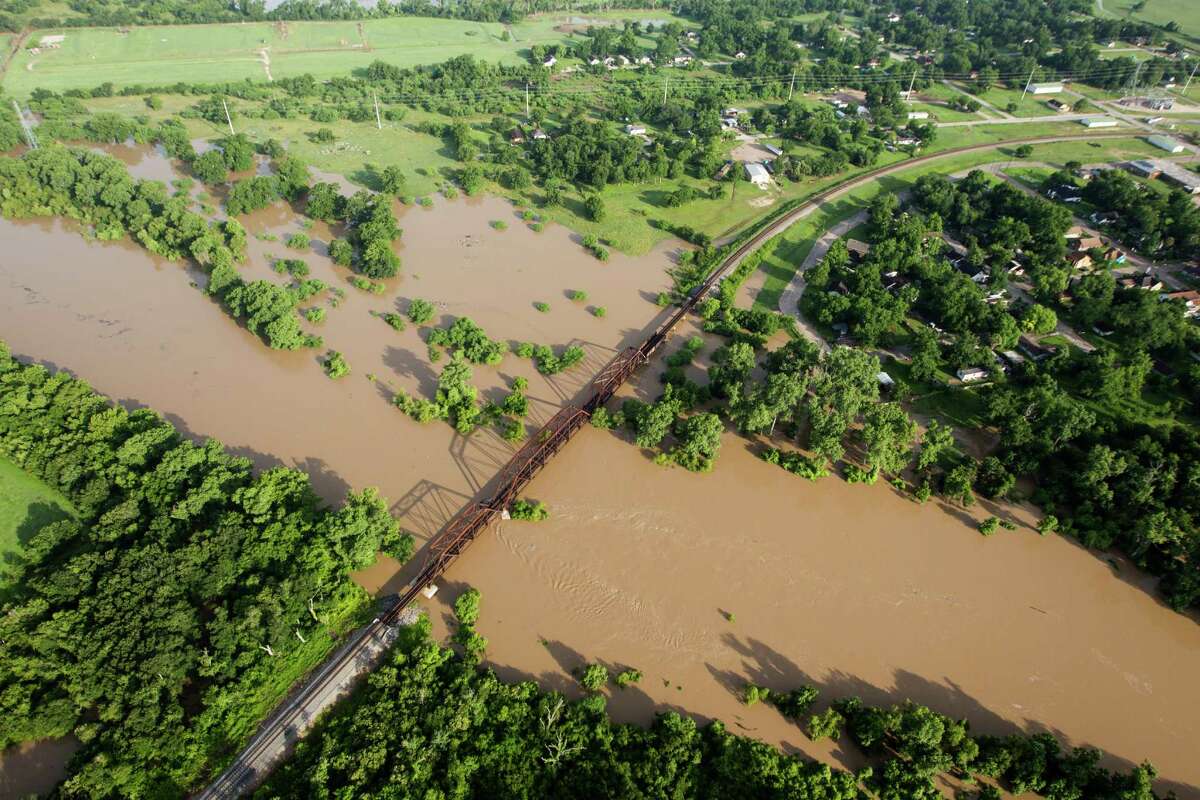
(288, 723)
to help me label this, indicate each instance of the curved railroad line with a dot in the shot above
(280, 730)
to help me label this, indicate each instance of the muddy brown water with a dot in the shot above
(851, 588)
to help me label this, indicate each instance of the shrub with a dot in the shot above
(499, 224)
(628, 677)
(365, 285)
(825, 726)
(593, 206)
(542, 307)
(335, 365)
(594, 677)
(297, 268)
(599, 311)
(796, 703)
(989, 526)
(298, 241)
(420, 311)
(662, 299)
(467, 338)
(528, 510)
(341, 252)
(536, 227)
(579, 296)
(315, 314)
(751, 694)
(1047, 524)
(395, 320)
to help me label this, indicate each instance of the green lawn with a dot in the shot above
(1030, 106)
(25, 505)
(212, 53)
(1184, 12)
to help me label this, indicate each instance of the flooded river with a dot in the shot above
(853, 589)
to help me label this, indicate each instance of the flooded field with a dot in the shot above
(853, 589)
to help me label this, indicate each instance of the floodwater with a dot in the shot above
(851, 588)
(34, 768)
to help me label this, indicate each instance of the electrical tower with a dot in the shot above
(25, 126)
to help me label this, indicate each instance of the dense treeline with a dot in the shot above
(428, 723)
(97, 190)
(156, 623)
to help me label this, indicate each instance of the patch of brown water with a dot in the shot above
(854, 589)
(851, 588)
(34, 768)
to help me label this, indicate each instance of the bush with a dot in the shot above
(594, 677)
(499, 224)
(395, 320)
(825, 726)
(989, 526)
(365, 285)
(315, 315)
(542, 307)
(420, 311)
(599, 311)
(593, 206)
(662, 299)
(1047, 524)
(341, 252)
(335, 365)
(528, 510)
(751, 694)
(628, 677)
(298, 241)
(579, 296)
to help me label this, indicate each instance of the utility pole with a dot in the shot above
(911, 84)
(1028, 82)
(1189, 80)
(666, 83)
(228, 119)
(25, 126)
(378, 120)
(526, 101)
(792, 85)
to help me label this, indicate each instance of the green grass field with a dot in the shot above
(25, 505)
(1184, 12)
(1030, 106)
(211, 53)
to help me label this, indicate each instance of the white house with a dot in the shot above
(772, 149)
(758, 175)
(1045, 88)
(549, 62)
(635, 130)
(918, 115)
(972, 374)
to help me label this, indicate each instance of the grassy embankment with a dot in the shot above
(1186, 13)
(26, 504)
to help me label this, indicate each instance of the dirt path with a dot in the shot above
(264, 56)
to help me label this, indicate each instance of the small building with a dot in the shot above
(549, 62)
(52, 41)
(971, 374)
(893, 17)
(757, 174)
(723, 171)
(1034, 349)
(739, 55)
(635, 130)
(516, 136)
(1013, 357)
(1085, 243)
(732, 113)
(1058, 105)
(1045, 88)
(858, 250)
(885, 380)
(1144, 168)
(772, 149)
(539, 134)
(1098, 122)
(1146, 281)
(1114, 255)
(1080, 260)
(1166, 143)
(1104, 217)
(918, 115)
(1180, 176)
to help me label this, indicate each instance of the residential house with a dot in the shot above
(972, 374)
(1144, 168)
(635, 130)
(858, 250)
(1034, 349)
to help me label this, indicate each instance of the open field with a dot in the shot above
(1030, 106)
(212, 53)
(25, 505)
(1184, 12)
